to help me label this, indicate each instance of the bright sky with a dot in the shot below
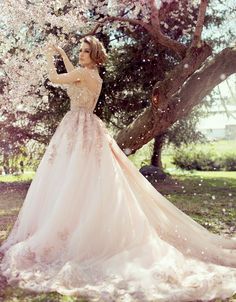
(225, 90)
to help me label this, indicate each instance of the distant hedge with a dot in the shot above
(204, 160)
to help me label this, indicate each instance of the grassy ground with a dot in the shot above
(210, 198)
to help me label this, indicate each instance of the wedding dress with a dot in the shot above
(93, 226)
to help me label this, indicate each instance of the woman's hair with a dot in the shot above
(98, 52)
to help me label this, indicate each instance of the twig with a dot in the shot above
(153, 30)
(200, 22)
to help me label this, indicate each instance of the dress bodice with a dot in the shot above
(82, 96)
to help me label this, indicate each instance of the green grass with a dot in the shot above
(20, 295)
(209, 198)
(222, 146)
(17, 178)
(212, 174)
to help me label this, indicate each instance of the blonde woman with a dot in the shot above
(91, 225)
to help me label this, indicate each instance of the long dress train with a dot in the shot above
(91, 225)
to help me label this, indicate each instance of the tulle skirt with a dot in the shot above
(91, 225)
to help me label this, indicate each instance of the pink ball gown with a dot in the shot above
(92, 226)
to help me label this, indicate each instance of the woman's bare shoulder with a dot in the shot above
(89, 73)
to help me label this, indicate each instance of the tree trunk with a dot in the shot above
(159, 141)
(6, 165)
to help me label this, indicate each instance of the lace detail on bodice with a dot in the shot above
(82, 96)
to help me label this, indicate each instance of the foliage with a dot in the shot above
(197, 159)
(184, 131)
(229, 162)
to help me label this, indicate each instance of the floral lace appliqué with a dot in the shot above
(63, 235)
(30, 255)
(72, 134)
(53, 153)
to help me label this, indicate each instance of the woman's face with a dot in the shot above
(84, 55)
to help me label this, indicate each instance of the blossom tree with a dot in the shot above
(26, 29)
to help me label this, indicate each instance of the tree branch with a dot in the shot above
(165, 89)
(152, 30)
(177, 47)
(203, 81)
(200, 22)
(120, 19)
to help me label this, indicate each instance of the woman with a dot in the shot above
(92, 225)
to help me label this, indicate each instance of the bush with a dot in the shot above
(194, 159)
(230, 162)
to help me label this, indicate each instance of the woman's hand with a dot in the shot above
(49, 49)
(59, 50)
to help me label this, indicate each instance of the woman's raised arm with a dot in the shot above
(77, 74)
(69, 66)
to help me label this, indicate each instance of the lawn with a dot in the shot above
(209, 198)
